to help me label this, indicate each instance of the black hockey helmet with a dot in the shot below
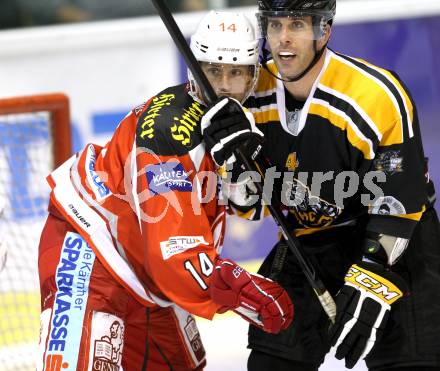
(321, 11)
(320, 6)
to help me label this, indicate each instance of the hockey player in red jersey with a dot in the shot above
(130, 249)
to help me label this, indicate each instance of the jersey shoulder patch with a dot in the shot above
(170, 122)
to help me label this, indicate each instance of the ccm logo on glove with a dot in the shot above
(373, 283)
(363, 306)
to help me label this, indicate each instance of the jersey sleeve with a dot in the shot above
(180, 219)
(392, 170)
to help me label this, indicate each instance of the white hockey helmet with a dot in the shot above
(226, 38)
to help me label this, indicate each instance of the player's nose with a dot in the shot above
(224, 84)
(285, 36)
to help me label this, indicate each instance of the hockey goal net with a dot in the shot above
(34, 139)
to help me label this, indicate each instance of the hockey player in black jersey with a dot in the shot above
(345, 134)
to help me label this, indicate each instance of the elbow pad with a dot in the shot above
(384, 248)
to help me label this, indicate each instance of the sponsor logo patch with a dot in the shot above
(98, 187)
(106, 342)
(373, 283)
(185, 124)
(193, 336)
(153, 112)
(169, 176)
(178, 244)
(72, 278)
(78, 216)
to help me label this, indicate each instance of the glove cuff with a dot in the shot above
(385, 285)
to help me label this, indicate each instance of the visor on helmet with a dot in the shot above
(231, 80)
(308, 25)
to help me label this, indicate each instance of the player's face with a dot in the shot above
(291, 43)
(229, 80)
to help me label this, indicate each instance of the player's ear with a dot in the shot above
(326, 37)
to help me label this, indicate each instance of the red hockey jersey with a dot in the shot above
(147, 203)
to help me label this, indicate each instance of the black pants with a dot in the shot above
(412, 336)
(263, 362)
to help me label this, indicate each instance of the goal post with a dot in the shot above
(35, 138)
(57, 105)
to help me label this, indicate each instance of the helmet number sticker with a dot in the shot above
(231, 27)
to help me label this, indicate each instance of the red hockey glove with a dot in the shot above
(257, 299)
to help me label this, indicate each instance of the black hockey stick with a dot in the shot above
(307, 267)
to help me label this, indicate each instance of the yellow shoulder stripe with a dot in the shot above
(361, 143)
(399, 87)
(360, 87)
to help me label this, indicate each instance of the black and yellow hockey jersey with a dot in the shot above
(356, 148)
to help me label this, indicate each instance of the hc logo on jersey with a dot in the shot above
(169, 176)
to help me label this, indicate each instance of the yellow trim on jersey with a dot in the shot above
(341, 123)
(265, 80)
(266, 211)
(263, 117)
(414, 216)
(399, 87)
(360, 87)
(265, 86)
(374, 284)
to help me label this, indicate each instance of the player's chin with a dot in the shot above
(287, 70)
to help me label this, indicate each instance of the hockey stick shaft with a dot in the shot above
(293, 243)
(324, 296)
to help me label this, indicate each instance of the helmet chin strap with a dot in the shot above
(318, 54)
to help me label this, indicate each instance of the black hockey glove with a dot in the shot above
(363, 306)
(226, 126)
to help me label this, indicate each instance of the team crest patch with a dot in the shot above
(387, 205)
(390, 162)
(106, 342)
(168, 176)
(309, 210)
